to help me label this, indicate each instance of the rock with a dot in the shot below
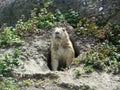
(11, 10)
(95, 80)
(34, 55)
(109, 10)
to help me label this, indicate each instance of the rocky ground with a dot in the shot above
(67, 80)
(34, 73)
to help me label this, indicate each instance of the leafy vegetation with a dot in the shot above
(7, 37)
(24, 28)
(27, 83)
(114, 34)
(89, 69)
(103, 56)
(8, 85)
(78, 72)
(72, 17)
(89, 27)
(44, 18)
(9, 62)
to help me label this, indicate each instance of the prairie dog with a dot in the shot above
(62, 52)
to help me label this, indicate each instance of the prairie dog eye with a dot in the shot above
(63, 29)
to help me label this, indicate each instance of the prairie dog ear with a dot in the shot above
(64, 28)
(53, 29)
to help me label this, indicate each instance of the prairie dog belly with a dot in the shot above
(62, 53)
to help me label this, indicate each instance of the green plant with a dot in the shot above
(94, 88)
(59, 16)
(72, 17)
(96, 60)
(8, 84)
(49, 19)
(55, 81)
(76, 61)
(89, 69)
(9, 62)
(47, 4)
(55, 76)
(45, 19)
(23, 28)
(114, 34)
(7, 37)
(87, 26)
(78, 72)
(84, 88)
(102, 56)
(27, 82)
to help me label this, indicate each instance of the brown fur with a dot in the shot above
(62, 52)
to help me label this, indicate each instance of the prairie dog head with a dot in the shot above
(60, 33)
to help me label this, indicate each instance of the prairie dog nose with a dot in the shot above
(57, 33)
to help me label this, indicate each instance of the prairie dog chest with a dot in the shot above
(61, 51)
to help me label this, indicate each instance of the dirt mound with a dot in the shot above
(34, 73)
